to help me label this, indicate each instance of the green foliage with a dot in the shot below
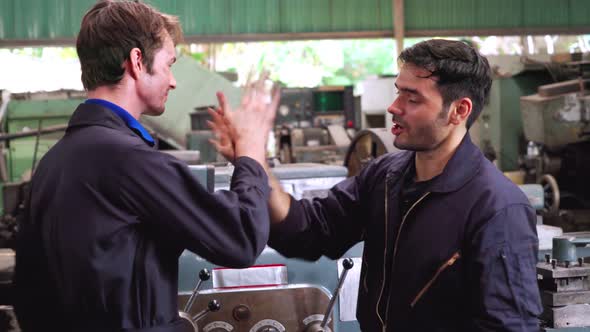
(312, 63)
(362, 58)
(199, 56)
(68, 53)
(34, 52)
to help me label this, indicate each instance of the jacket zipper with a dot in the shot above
(395, 246)
(384, 265)
(365, 278)
(443, 267)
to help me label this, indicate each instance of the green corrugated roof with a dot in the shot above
(579, 13)
(60, 19)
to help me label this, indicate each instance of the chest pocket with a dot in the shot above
(448, 263)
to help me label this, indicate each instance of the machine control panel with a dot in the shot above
(298, 307)
(264, 309)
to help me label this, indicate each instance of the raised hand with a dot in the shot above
(222, 129)
(244, 132)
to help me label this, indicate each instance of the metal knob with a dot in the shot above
(204, 275)
(347, 264)
(241, 313)
(213, 306)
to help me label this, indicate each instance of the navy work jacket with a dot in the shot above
(462, 258)
(107, 221)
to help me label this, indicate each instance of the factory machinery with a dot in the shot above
(316, 124)
(312, 125)
(556, 123)
(565, 285)
(276, 294)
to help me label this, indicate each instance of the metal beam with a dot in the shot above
(31, 133)
(8, 43)
(398, 25)
(288, 36)
(499, 32)
(4, 43)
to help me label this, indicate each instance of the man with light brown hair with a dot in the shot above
(109, 215)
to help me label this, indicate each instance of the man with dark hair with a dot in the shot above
(450, 243)
(109, 215)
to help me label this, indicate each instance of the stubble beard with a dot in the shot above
(425, 137)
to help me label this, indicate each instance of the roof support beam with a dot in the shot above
(211, 39)
(398, 24)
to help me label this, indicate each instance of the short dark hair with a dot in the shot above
(111, 29)
(460, 71)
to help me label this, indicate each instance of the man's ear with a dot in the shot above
(461, 109)
(135, 63)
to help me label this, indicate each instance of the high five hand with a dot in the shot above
(244, 132)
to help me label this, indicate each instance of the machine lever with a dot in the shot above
(347, 264)
(213, 306)
(204, 275)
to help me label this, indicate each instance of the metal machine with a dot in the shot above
(498, 130)
(312, 124)
(557, 125)
(276, 294)
(213, 306)
(31, 124)
(565, 284)
(367, 145)
(278, 308)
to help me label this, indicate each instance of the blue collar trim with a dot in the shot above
(125, 116)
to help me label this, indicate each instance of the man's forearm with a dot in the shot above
(254, 150)
(279, 201)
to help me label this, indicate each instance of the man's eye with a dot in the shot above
(413, 101)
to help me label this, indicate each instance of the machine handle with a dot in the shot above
(204, 275)
(347, 264)
(213, 306)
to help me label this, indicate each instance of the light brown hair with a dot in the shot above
(111, 29)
